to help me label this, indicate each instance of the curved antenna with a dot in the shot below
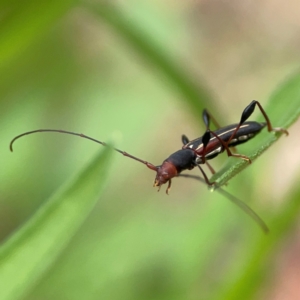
(149, 165)
(242, 205)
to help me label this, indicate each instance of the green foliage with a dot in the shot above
(36, 245)
(24, 22)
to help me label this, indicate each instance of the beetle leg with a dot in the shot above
(210, 168)
(248, 112)
(185, 140)
(205, 177)
(156, 185)
(270, 127)
(207, 116)
(169, 187)
(229, 153)
(244, 157)
(205, 141)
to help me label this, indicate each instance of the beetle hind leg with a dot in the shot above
(244, 157)
(279, 129)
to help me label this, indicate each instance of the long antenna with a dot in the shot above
(149, 165)
(232, 198)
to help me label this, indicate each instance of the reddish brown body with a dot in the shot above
(194, 152)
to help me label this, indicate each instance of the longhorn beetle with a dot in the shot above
(198, 151)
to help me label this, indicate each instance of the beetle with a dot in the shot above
(197, 151)
(211, 144)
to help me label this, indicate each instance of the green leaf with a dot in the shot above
(254, 270)
(31, 251)
(283, 110)
(24, 22)
(194, 95)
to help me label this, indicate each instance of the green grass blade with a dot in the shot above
(24, 22)
(255, 271)
(283, 110)
(30, 252)
(194, 95)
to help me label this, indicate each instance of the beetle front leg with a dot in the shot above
(206, 178)
(169, 187)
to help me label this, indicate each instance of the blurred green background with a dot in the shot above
(75, 66)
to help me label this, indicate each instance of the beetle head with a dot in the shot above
(164, 174)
